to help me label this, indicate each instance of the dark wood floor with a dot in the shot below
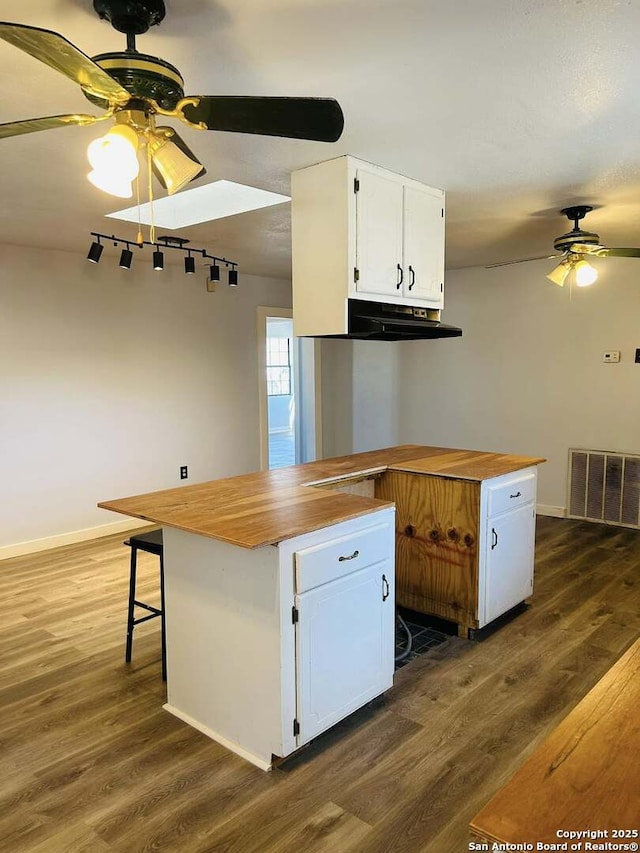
(90, 762)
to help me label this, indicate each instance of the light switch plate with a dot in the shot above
(612, 355)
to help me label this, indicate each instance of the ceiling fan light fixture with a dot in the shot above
(114, 158)
(585, 273)
(111, 184)
(175, 166)
(558, 275)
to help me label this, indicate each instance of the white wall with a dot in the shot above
(527, 376)
(360, 388)
(110, 380)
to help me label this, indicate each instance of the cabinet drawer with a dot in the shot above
(512, 494)
(338, 557)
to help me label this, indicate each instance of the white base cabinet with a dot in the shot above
(267, 648)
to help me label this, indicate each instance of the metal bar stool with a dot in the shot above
(152, 543)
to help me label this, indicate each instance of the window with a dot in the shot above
(278, 367)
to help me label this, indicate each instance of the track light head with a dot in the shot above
(214, 272)
(233, 278)
(189, 265)
(126, 259)
(158, 260)
(95, 251)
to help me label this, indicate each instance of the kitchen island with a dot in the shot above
(280, 585)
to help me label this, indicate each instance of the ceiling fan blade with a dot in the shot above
(521, 261)
(31, 125)
(173, 162)
(319, 119)
(604, 252)
(58, 53)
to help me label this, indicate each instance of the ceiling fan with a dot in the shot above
(574, 248)
(135, 87)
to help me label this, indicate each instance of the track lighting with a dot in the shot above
(158, 259)
(160, 245)
(95, 250)
(126, 259)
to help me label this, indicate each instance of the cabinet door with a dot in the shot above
(345, 646)
(379, 234)
(424, 245)
(509, 564)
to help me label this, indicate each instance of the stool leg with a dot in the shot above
(162, 620)
(132, 597)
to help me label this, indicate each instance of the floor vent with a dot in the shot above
(604, 486)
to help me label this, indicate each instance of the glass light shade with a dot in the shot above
(175, 167)
(114, 158)
(585, 273)
(112, 184)
(559, 274)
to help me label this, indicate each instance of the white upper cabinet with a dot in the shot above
(379, 235)
(423, 255)
(362, 232)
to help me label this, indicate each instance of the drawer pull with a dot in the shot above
(351, 557)
(494, 536)
(385, 588)
(517, 495)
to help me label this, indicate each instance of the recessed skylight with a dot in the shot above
(202, 204)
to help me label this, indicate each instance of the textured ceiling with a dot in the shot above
(515, 107)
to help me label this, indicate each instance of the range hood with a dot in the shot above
(379, 321)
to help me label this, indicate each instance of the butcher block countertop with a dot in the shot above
(585, 776)
(258, 509)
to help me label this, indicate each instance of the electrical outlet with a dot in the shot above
(612, 356)
(184, 472)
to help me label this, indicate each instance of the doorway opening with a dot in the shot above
(289, 392)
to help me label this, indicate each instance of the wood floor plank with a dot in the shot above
(90, 761)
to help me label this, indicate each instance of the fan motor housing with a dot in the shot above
(144, 77)
(576, 235)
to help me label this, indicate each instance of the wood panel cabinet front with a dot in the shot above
(437, 533)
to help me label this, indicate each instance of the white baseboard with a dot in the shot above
(553, 511)
(258, 760)
(59, 539)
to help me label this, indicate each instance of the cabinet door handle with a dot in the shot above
(350, 557)
(413, 277)
(385, 588)
(401, 271)
(517, 495)
(494, 538)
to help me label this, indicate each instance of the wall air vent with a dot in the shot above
(604, 486)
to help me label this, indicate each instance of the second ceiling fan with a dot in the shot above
(574, 248)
